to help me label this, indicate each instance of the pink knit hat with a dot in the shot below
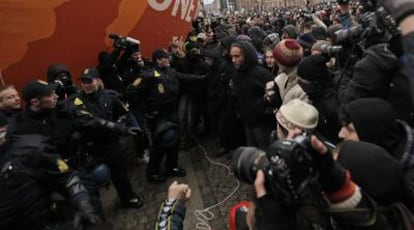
(288, 52)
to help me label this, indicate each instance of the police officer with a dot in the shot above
(155, 92)
(43, 115)
(30, 170)
(96, 112)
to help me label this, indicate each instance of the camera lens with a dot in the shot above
(244, 162)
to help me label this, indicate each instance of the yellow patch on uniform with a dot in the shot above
(62, 166)
(161, 89)
(137, 81)
(78, 101)
(156, 74)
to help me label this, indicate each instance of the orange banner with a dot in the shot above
(35, 34)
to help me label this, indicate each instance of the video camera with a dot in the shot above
(124, 42)
(377, 23)
(291, 176)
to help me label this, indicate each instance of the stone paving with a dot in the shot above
(210, 184)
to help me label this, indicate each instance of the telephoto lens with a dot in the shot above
(290, 173)
(246, 161)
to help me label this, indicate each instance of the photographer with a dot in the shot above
(59, 74)
(318, 83)
(299, 185)
(403, 13)
(118, 68)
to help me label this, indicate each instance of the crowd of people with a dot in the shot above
(339, 74)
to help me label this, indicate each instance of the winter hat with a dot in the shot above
(271, 40)
(319, 33)
(256, 32)
(297, 114)
(243, 37)
(313, 68)
(291, 30)
(306, 40)
(374, 120)
(227, 41)
(288, 52)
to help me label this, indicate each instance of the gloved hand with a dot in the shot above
(86, 215)
(332, 174)
(120, 128)
(399, 9)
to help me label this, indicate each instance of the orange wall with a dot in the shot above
(37, 33)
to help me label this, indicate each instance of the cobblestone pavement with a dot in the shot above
(210, 183)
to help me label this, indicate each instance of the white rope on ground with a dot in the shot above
(205, 215)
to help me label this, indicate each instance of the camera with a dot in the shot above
(291, 176)
(330, 51)
(125, 42)
(376, 24)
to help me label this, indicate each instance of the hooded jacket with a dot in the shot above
(55, 69)
(65, 90)
(371, 77)
(375, 122)
(249, 87)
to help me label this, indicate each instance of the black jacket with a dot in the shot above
(90, 111)
(323, 97)
(56, 124)
(371, 76)
(157, 89)
(249, 87)
(31, 171)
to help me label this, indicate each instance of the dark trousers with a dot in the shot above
(157, 156)
(158, 150)
(109, 153)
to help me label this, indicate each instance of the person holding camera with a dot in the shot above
(119, 68)
(60, 74)
(299, 185)
(318, 83)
